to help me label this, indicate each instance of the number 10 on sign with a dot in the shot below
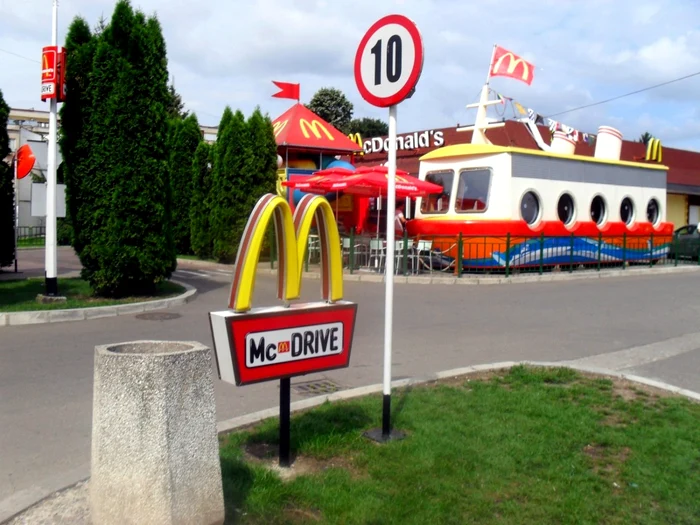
(389, 61)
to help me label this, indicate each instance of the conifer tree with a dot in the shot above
(185, 140)
(74, 139)
(123, 221)
(7, 192)
(232, 154)
(200, 224)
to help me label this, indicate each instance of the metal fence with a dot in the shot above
(31, 235)
(508, 255)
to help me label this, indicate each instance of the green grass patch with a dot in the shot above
(523, 446)
(20, 295)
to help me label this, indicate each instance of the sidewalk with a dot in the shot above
(31, 263)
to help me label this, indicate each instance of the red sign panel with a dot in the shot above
(49, 72)
(271, 343)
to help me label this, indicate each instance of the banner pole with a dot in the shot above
(493, 54)
(50, 241)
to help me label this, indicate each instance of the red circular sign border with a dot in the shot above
(412, 29)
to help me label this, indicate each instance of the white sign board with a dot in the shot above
(38, 202)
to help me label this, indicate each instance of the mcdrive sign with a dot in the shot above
(415, 140)
(263, 344)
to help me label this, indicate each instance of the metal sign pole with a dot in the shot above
(19, 140)
(51, 280)
(389, 274)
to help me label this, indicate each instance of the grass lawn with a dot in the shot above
(523, 446)
(20, 295)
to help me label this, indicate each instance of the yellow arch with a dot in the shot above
(291, 234)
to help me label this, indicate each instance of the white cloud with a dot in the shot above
(224, 52)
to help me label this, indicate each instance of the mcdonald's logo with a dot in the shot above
(654, 150)
(277, 127)
(262, 344)
(314, 126)
(291, 239)
(357, 139)
(513, 62)
(500, 55)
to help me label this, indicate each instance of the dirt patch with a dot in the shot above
(604, 459)
(294, 515)
(267, 455)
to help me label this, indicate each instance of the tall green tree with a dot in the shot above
(231, 155)
(368, 127)
(200, 226)
(75, 133)
(332, 105)
(7, 192)
(123, 220)
(184, 143)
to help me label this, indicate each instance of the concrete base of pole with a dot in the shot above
(155, 451)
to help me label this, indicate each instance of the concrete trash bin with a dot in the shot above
(155, 450)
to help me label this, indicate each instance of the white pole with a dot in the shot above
(493, 54)
(19, 144)
(51, 270)
(389, 271)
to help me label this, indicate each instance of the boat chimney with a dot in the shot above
(562, 143)
(608, 143)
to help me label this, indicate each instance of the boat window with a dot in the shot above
(530, 207)
(626, 210)
(438, 202)
(653, 211)
(565, 208)
(598, 210)
(473, 190)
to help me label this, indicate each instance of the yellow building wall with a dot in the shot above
(677, 209)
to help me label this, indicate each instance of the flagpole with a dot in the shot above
(19, 143)
(51, 279)
(493, 54)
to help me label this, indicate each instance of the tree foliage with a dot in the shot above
(114, 141)
(176, 107)
(184, 140)
(645, 137)
(332, 106)
(369, 127)
(200, 227)
(7, 192)
(244, 168)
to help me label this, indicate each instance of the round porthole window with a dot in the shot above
(565, 208)
(626, 211)
(530, 207)
(598, 210)
(653, 211)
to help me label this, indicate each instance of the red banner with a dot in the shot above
(49, 72)
(288, 90)
(506, 64)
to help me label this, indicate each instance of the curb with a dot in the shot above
(239, 423)
(85, 314)
(468, 280)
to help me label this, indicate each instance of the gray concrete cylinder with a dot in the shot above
(155, 450)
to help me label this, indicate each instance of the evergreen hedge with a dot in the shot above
(200, 234)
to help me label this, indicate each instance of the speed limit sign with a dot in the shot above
(389, 61)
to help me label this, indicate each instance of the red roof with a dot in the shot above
(684, 165)
(299, 127)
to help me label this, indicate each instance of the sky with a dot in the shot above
(228, 52)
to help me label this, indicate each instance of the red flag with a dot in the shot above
(505, 64)
(24, 161)
(288, 90)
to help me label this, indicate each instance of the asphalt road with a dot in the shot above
(46, 371)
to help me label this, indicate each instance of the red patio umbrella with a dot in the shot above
(373, 181)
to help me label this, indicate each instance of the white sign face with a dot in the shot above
(293, 344)
(389, 61)
(38, 200)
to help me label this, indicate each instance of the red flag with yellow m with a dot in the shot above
(505, 64)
